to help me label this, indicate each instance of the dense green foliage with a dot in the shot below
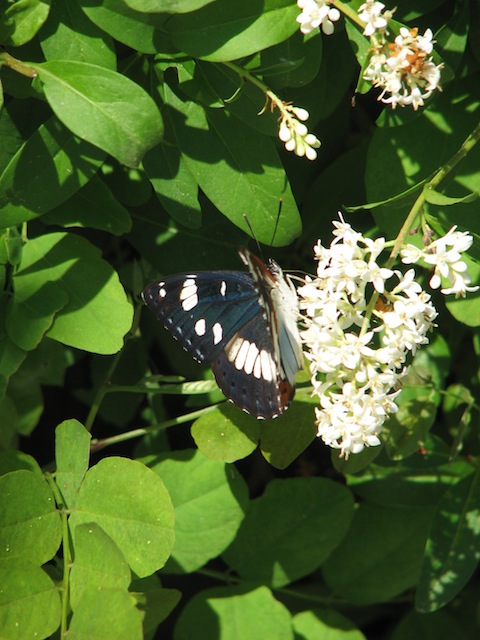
(131, 146)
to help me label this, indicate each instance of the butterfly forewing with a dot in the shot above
(203, 310)
(243, 324)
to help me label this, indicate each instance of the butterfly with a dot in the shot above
(243, 324)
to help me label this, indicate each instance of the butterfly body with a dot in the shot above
(243, 324)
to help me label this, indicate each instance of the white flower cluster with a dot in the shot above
(294, 133)
(445, 255)
(358, 353)
(403, 69)
(317, 13)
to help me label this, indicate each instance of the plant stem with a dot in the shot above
(67, 555)
(6, 60)
(96, 444)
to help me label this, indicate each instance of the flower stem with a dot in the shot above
(6, 60)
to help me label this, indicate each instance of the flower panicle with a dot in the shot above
(359, 352)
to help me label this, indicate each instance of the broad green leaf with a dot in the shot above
(9, 422)
(239, 171)
(380, 556)
(400, 157)
(141, 31)
(440, 625)
(453, 550)
(92, 206)
(440, 199)
(21, 20)
(210, 500)
(226, 434)
(467, 310)
(69, 35)
(285, 438)
(130, 503)
(102, 107)
(290, 530)
(13, 460)
(99, 563)
(294, 62)
(30, 604)
(406, 431)
(68, 273)
(72, 452)
(170, 6)
(173, 184)
(234, 614)
(224, 31)
(50, 166)
(115, 616)
(29, 522)
(157, 602)
(26, 395)
(11, 356)
(451, 39)
(325, 623)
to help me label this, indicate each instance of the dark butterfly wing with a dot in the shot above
(231, 320)
(203, 310)
(247, 371)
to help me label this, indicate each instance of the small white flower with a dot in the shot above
(371, 13)
(294, 133)
(317, 13)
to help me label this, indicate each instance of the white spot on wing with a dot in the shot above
(217, 333)
(200, 327)
(268, 366)
(223, 288)
(162, 292)
(188, 294)
(233, 348)
(242, 355)
(251, 358)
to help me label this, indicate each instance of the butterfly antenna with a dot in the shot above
(253, 234)
(277, 221)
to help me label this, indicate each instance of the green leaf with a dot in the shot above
(174, 185)
(130, 503)
(452, 552)
(141, 31)
(226, 434)
(50, 166)
(102, 107)
(325, 623)
(157, 602)
(30, 524)
(224, 31)
(21, 20)
(72, 452)
(69, 35)
(116, 616)
(285, 438)
(210, 500)
(436, 626)
(384, 563)
(13, 460)
(440, 199)
(467, 310)
(99, 563)
(290, 530)
(234, 614)
(294, 62)
(92, 206)
(11, 356)
(239, 171)
(64, 271)
(30, 604)
(170, 6)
